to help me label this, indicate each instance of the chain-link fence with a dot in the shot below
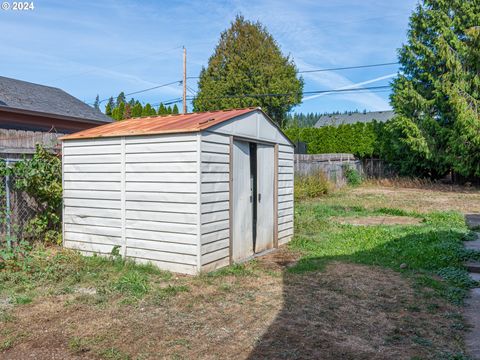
(16, 210)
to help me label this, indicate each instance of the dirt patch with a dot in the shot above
(421, 200)
(378, 220)
(347, 311)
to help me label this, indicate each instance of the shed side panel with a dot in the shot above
(91, 192)
(161, 202)
(285, 193)
(215, 204)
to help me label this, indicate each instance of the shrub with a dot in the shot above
(311, 186)
(361, 139)
(352, 175)
(41, 178)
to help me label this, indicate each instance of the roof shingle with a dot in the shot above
(352, 118)
(22, 95)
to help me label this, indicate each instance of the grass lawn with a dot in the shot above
(337, 291)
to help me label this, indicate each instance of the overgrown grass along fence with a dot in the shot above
(337, 167)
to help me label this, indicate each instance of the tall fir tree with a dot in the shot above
(248, 61)
(175, 109)
(109, 107)
(120, 111)
(137, 109)
(161, 109)
(120, 99)
(148, 110)
(437, 92)
(96, 104)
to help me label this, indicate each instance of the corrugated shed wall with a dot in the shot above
(161, 198)
(92, 183)
(285, 193)
(157, 179)
(215, 157)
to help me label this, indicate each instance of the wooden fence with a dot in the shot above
(16, 143)
(334, 165)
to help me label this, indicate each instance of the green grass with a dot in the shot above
(48, 271)
(430, 249)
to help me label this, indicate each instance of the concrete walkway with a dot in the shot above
(472, 304)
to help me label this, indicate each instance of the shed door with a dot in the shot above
(242, 231)
(265, 189)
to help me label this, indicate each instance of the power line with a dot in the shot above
(349, 67)
(374, 89)
(148, 89)
(155, 87)
(314, 92)
(334, 69)
(302, 71)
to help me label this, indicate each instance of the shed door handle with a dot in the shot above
(259, 197)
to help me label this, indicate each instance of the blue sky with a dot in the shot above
(88, 47)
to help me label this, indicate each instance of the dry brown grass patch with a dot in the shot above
(348, 311)
(378, 220)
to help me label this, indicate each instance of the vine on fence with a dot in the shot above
(41, 178)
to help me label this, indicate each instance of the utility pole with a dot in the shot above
(184, 80)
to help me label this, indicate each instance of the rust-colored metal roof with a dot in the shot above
(169, 124)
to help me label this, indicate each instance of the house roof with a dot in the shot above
(18, 96)
(183, 123)
(352, 118)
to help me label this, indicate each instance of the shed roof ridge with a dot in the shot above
(178, 123)
(192, 113)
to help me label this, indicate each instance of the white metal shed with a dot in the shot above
(188, 193)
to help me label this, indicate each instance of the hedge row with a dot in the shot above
(361, 139)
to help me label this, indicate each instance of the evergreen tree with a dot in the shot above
(137, 109)
(437, 92)
(120, 99)
(120, 110)
(109, 107)
(162, 110)
(175, 109)
(148, 110)
(248, 61)
(153, 112)
(96, 104)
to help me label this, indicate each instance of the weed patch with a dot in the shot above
(311, 186)
(133, 283)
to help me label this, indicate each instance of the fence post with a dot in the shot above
(7, 206)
